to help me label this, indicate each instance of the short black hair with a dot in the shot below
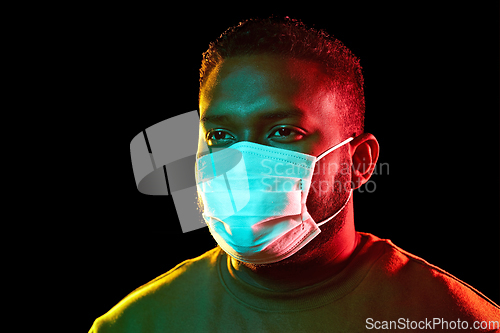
(291, 38)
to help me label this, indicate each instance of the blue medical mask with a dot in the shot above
(254, 199)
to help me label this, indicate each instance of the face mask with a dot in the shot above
(254, 199)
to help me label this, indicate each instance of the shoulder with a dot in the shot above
(427, 290)
(154, 299)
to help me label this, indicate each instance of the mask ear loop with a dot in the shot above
(317, 159)
(333, 148)
(350, 192)
(331, 217)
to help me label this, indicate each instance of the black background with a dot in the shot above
(431, 86)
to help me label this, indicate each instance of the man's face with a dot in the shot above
(283, 103)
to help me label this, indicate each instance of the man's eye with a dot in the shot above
(286, 134)
(218, 137)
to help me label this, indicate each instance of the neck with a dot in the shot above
(321, 259)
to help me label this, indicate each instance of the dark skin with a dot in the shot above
(290, 105)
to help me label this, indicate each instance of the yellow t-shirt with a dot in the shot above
(382, 288)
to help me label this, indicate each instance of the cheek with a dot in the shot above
(328, 168)
(330, 174)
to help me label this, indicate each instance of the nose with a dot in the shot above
(249, 134)
(255, 134)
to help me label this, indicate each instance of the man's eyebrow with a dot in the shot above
(214, 118)
(294, 113)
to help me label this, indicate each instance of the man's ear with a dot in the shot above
(364, 154)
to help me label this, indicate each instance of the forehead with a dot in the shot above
(248, 83)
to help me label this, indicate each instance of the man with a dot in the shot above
(281, 149)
